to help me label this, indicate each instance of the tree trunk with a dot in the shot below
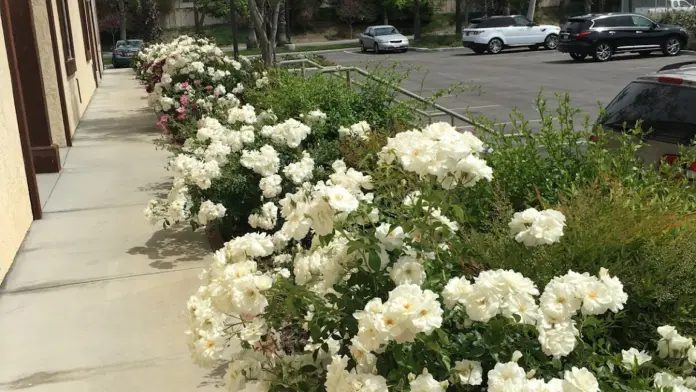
(531, 9)
(233, 22)
(416, 20)
(385, 14)
(457, 17)
(288, 25)
(506, 7)
(265, 36)
(274, 30)
(601, 6)
(282, 26)
(252, 42)
(466, 12)
(123, 12)
(197, 23)
(588, 6)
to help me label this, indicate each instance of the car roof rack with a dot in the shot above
(676, 66)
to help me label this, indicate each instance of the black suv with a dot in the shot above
(603, 35)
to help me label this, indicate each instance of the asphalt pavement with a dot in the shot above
(511, 79)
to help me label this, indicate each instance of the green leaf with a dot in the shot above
(308, 369)
(374, 261)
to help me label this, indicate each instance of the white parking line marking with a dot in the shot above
(501, 123)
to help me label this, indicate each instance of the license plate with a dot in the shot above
(565, 36)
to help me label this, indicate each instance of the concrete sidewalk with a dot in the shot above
(96, 296)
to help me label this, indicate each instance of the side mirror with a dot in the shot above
(654, 26)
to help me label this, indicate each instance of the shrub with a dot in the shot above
(438, 41)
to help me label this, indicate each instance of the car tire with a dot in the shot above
(404, 50)
(551, 42)
(362, 47)
(578, 56)
(376, 48)
(672, 46)
(495, 46)
(602, 52)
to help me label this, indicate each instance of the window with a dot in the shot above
(385, 31)
(666, 108)
(578, 25)
(605, 22)
(623, 21)
(641, 21)
(66, 37)
(86, 34)
(521, 20)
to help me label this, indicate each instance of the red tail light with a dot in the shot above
(582, 35)
(593, 138)
(674, 159)
(670, 80)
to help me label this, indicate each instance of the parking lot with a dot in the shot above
(512, 78)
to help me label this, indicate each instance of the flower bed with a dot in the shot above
(396, 260)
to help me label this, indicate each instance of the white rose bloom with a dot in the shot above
(407, 271)
(580, 380)
(246, 114)
(505, 377)
(210, 211)
(691, 355)
(426, 383)
(270, 186)
(392, 239)
(533, 228)
(266, 219)
(536, 385)
(340, 199)
(468, 372)
(315, 118)
(558, 340)
(632, 358)
(456, 291)
(672, 343)
(264, 161)
(238, 89)
(300, 171)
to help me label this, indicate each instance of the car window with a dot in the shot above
(120, 44)
(623, 21)
(686, 4)
(521, 20)
(641, 21)
(385, 31)
(136, 43)
(577, 25)
(367, 31)
(670, 110)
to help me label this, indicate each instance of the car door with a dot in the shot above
(527, 32)
(620, 32)
(647, 36)
(509, 29)
(367, 38)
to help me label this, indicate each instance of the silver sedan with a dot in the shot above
(382, 39)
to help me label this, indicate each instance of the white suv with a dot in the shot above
(665, 102)
(497, 32)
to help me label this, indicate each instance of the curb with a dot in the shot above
(689, 52)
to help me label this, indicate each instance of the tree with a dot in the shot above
(252, 42)
(111, 23)
(531, 9)
(416, 7)
(214, 8)
(264, 14)
(458, 17)
(281, 37)
(152, 31)
(350, 11)
(122, 10)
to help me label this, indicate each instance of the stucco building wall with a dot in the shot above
(15, 208)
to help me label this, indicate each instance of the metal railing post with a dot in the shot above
(348, 76)
(303, 70)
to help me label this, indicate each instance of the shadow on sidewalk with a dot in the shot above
(169, 247)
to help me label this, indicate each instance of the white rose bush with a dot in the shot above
(357, 276)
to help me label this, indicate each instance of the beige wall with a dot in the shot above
(182, 16)
(48, 70)
(15, 208)
(81, 84)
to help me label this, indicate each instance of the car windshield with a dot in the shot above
(668, 111)
(135, 43)
(385, 31)
(685, 4)
(474, 24)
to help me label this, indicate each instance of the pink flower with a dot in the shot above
(181, 116)
(197, 82)
(185, 85)
(209, 88)
(164, 119)
(181, 109)
(184, 100)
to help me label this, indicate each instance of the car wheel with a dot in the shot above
(578, 56)
(495, 46)
(362, 47)
(404, 50)
(551, 42)
(602, 52)
(376, 48)
(479, 49)
(672, 46)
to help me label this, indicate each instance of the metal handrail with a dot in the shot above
(442, 111)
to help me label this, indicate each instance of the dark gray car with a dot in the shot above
(124, 51)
